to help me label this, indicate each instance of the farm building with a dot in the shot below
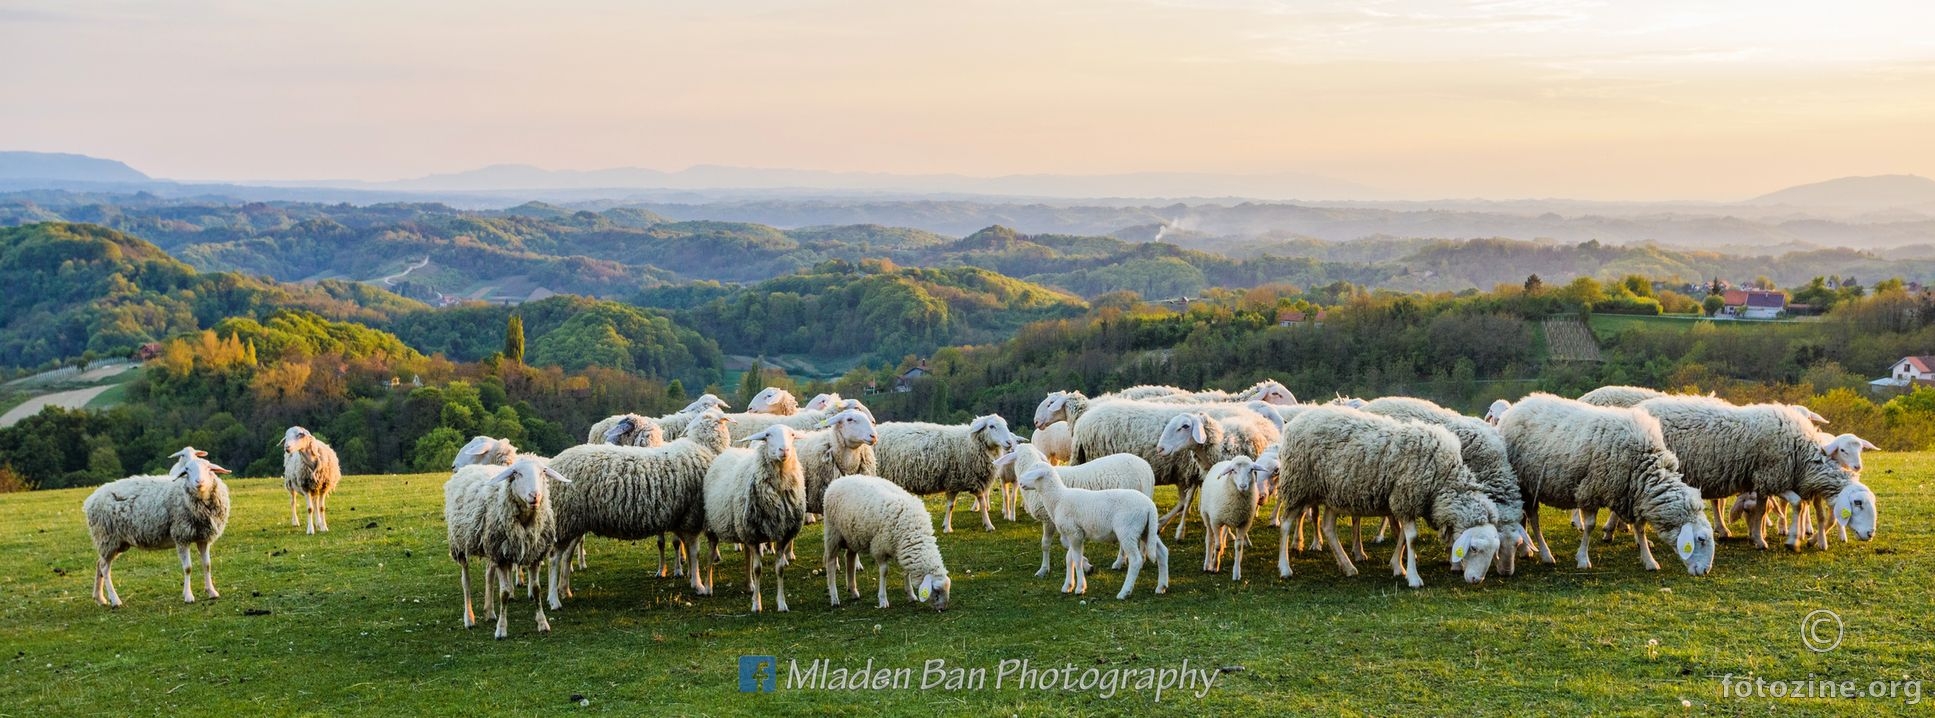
(1752, 304)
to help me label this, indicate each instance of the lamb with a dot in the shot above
(952, 459)
(1121, 426)
(1124, 516)
(1768, 449)
(309, 469)
(187, 507)
(1483, 451)
(1620, 396)
(873, 515)
(757, 496)
(1211, 441)
(773, 400)
(1355, 463)
(503, 516)
(1569, 454)
(1056, 442)
(1115, 471)
(629, 493)
(1230, 492)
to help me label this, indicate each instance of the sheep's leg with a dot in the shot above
(752, 579)
(853, 573)
(293, 520)
(1410, 529)
(1182, 519)
(463, 580)
(1756, 524)
(1397, 557)
(1613, 524)
(187, 572)
(1585, 537)
(543, 624)
(579, 545)
(309, 511)
(322, 511)
(1301, 516)
(1074, 581)
(1133, 549)
(1794, 523)
(662, 570)
(1579, 520)
(699, 587)
(1047, 532)
(1160, 554)
(947, 521)
(1826, 522)
(503, 589)
(1242, 541)
(831, 561)
(1357, 539)
(1646, 559)
(104, 580)
(1283, 544)
(1720, 529)
(780, 562)
(1383, 526)
(559, 557)
(987, 522)
(1212, 547)
(883, 585)
(1327, 521)
(1276, 515)
(1538, 534)
(208, 571)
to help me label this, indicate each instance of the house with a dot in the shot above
(147, 351)
(1905, 375)
(1292, 317)
(1752, 304)
(905, 382)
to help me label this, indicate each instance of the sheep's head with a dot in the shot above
(1272, 392)
(1051, 409)
(774, 443)
(1497, 411)
(1474, 551)
(1240, 470)
(296, 439)
(1693, 541)
(484, 450)
(1183, 431)
(1268, 411)
(1846, 450)
(852, 405)
(853, 428)
(934, 588)
(1036, 477)
(822, 402)
(617, 433)
(1854, 508)
(704, 402)
(770, 400)
(529, 483)
(649, 434)
(1809, 414)
(198, 475)
(1265, 468)
(992, 430)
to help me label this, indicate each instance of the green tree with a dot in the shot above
(675, 391)
(1533, 284)
(433, 451)
(514, 339)
(1712, 303)
(750, 383)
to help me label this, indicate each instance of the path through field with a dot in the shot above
(65, 399)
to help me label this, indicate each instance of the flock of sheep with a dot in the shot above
(756, 478)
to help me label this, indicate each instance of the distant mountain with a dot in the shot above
(1867, 193)
(65, 167)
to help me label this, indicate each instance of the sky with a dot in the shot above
(1629, 100)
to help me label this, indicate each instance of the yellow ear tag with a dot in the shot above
(1686, 547)
(926, 593)
(1846, 513)
(1457, 554)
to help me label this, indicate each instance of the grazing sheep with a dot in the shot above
(1211, 441)
(773, 400)
(757, 496)
(309, 468)
(503, 516)
(1620, 396)
(1230, 492)
(1769, 449)
(629, 493)
(873, 515)
(1569, 454)
(1355, 463)
(1483, 451)
(1124, 516)
(187, 507)
(1115, 471)
(951, 459)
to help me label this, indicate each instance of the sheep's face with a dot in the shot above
(486, 450)
(854, 428)
(774, 443)
(767, 400)
(1241, 472)
(198, 476)
(1497, 411)
(1474, 550)
(822, 402)
(1182, 432)
(1052, 409)
(1855, 509)
(993, 431)
(1694, 543)
(934, 589)
(529, 483)
(1265, 471)
(852, 405)
(649, 434)
(1034, 478)
(1271, 392)
(1846, 450)
(296, 439)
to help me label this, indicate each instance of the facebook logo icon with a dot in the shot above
(758, 674)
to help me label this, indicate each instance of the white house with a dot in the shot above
(1904, 375)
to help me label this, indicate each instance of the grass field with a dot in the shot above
(1605, 326)
(365, 621)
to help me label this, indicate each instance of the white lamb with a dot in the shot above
(1124, 516)
(309, 468)
(871, 515)
(756, 496)
(1115, 471)
(503, 516)
(188, 507)
(1230, 493)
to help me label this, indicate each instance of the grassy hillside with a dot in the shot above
(364, 620)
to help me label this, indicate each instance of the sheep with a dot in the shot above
(1496, 412)
(1230, 492)
(187, 507)
(1570, 454)
(844, 447)
(1211, 441)
(756, 496)
(748, 423)
(503, 516)
(1115, 471)
(1483, 451)
(773, 400)
(823, 402)
(1123, 426)
(1620, 396)
(1355, 463)
(629, 493)
(626, 430)
(873, 515)
(1056, 442)
(309, 469)
(1063, 406)
(1124, 516)
(1268, 390)
(1768, 449)
(484, 450)
(952, 459)
(672, 425)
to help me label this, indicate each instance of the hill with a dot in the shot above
(1864, 193)
(65, 168)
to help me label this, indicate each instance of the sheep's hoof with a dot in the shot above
(544, 627)
(1122, 595)
(187, 599)
(1585, 563)
(883, 604)
(1041, 573)
(213, 594)
(1415, 582)
(1350, 572)
(470, 622)
(500, 635)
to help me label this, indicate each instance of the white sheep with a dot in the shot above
(503, 516)
(1354, 463)
(1769, 449)
(773, 400)
(1056, 442)
(484, 450)
(629, 493)
(1115, 471)
(1211, 441)
(1125, 517)
(309, 468)
(844, 447)
(947, 459)
(671, 426)
(1230, 492)
(1620, 396)
(188, 507)
(871, 515)
(1569, 454)
(757, 496)
(823, 402)
(1483, 451)
(1268, 390)
(1123, 426)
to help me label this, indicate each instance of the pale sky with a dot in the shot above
(1636, 99)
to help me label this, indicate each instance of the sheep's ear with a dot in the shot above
(1684, 544)
(1866, 445)
(555, 476)
(217, 469)
(505, 475)
(926, 588)
(1461, 547)
(1005, 459)
(1197, 431)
